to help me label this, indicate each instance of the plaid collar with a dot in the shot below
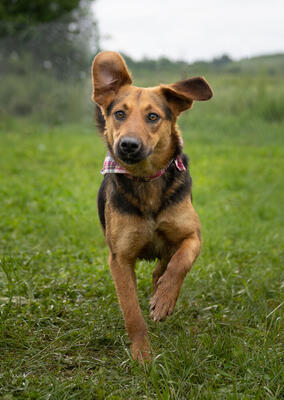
(112, 167)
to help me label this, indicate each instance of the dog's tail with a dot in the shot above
(100, 120)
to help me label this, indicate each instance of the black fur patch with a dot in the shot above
(185, 160)
(183, 190)
(168, 112)
(169, 177)
(120, 202)
(100, 120)
(102, 202)
(110, 107)
(127, 185)
(178, 151)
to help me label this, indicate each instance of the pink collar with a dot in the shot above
(112, 167)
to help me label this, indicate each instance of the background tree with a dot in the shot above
(55, 35)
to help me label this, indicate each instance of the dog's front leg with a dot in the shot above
(169, 284)
(158, 272)
(125, 283)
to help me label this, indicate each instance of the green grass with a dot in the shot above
(62, 334)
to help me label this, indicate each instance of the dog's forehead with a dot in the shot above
(131, 89)
(140, 97)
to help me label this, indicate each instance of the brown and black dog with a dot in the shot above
(145, 208)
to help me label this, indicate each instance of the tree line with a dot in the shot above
(53, 35)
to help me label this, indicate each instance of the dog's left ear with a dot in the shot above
(109, 73)
(180, 95)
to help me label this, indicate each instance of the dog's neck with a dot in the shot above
(112, 165)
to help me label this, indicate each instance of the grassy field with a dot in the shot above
(62, 334)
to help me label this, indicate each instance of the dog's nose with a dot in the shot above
(129, 145)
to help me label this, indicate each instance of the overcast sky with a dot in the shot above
(191, 29)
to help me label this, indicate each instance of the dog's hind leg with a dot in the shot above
(125, 283)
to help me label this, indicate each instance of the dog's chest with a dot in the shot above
(157, 243)
(149, 198)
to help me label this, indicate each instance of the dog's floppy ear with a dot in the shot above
(180, 95)
(109, 73)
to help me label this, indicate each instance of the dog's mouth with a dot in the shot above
(131, 150)
(131, 159)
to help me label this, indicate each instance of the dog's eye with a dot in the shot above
(152, 117)
(120, 115)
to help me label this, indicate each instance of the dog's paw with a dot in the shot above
(141, 351)
(163, 302)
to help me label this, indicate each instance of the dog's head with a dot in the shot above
(141, 122)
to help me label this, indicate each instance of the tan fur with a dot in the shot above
(175, 232)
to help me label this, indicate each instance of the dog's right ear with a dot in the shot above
(182, 94)
(109, 73)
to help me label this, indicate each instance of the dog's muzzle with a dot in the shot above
(130, 150)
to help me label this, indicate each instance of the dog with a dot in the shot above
(144, 202)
